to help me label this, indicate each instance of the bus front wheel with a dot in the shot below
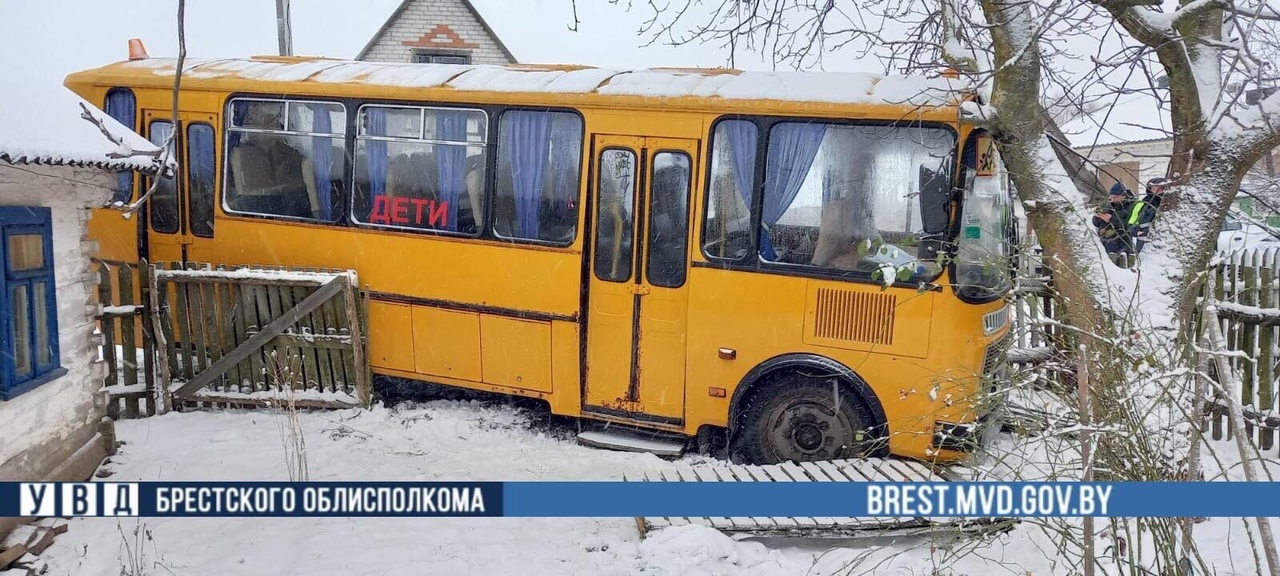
(801, 420)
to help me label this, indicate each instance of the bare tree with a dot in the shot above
(1024, 60)
(1018, 55)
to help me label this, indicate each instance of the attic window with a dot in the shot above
(441, 57)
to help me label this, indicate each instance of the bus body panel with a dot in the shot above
(509, 317)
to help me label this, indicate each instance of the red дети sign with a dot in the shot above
(409, 211)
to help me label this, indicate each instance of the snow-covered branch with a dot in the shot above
(1254, 128)
(1263, 12)
(123, 150)
(1195, 8)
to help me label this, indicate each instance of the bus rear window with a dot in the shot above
(285, 158)
(421, 168)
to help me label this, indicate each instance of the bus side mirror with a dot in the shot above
(935, 200)
(935, 213)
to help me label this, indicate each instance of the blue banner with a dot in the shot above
(634, 499)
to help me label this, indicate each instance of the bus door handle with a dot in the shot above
(639, 289)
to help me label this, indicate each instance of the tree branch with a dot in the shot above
(86, 114)
(167, 149)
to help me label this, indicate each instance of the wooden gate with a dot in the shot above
(258, 337)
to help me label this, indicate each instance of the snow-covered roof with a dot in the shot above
(43, 124)
(827, 87)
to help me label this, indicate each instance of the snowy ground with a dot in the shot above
(469, 440)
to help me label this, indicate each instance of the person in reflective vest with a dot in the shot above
(1155, 191)
(1112, 221)
(1144, 212)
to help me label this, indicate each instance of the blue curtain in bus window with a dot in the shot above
(792, 148)
(528, 146)
(322, 161)
(564, 144)
(122, 106)
(238, 112)
(451, 161)
(742, 149)
(376, 152)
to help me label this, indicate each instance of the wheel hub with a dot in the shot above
(806, 431)
(807, 437)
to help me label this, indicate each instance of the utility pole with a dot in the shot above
(284, 30)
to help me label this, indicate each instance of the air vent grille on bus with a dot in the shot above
(854, 316)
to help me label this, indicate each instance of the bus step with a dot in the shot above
(828, 530)
(629, 441)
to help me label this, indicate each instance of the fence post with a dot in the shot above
(1230, 389)
(1086, 452)
(161, 346)
(1197, 430)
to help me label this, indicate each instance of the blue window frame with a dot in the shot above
(28, 305)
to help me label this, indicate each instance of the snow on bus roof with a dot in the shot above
(42, 124)
(828, 87)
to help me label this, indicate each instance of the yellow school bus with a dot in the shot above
(800, 266)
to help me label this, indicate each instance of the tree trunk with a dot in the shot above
(1018, 132)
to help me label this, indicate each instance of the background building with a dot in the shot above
(436, 31)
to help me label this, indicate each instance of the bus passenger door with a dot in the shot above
(639, 261)
(181, 209)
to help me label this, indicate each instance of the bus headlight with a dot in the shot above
(992, 322)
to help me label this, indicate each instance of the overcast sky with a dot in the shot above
(44, 40)
(51, 38)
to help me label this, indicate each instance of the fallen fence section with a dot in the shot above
(859, 470)
(261, 337)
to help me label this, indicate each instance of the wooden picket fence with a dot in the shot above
(127, 346)
(1035, 336)
(1246, 288)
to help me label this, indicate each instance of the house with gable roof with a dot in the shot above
(59, 156)
(439, 32)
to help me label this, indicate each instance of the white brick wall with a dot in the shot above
(39, 422)
(420, 17)
(1152, 157)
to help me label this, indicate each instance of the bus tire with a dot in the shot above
(802, 419)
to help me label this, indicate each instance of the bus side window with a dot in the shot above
(539, 166)
(122, 106)
(285, 158)
(421, 168)
(616, 196)
(200, 175)
(668, 219)
(164, 201)
(727, 231)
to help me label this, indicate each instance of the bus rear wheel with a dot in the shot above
(801, 420)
